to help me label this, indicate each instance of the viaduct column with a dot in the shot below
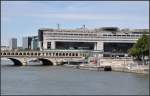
(45, 45)
(53, 45)
(95, 46)
(24, 61)
(100, 46)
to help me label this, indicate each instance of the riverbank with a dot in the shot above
(117, 69)
(138, 71)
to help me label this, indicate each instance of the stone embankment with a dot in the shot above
(143, 69)
(122, 65)
(136, 69)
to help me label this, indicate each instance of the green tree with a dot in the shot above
(141, 48)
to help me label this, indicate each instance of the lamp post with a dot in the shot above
(126, 55)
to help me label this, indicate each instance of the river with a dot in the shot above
(58, 80)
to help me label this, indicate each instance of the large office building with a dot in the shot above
(26, 42)
(34, 43)
(107, 39)
(13, 44)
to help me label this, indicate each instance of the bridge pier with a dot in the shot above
(24, 61)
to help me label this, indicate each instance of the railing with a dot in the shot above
(52, 53)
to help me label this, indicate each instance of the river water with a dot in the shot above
(58, 80)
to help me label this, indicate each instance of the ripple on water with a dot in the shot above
(57, 80)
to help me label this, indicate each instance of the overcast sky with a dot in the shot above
(24, 18)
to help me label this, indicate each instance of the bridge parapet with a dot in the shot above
(57, 53)
(47, 57)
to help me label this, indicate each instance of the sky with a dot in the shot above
(24, 18)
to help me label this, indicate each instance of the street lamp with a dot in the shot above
(126, 55)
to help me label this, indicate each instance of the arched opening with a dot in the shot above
(63, 54)
(4, 53)
(53, 54)
(20, 53)
(56, 54)
(24, 53)
(35, 54)
(69, 54)
(16, 62)
(12, 53)
(76, 54)
(66, 54)
(49, 54)
(31, 54)
(45, 61)
(27, 53)
(59, 54)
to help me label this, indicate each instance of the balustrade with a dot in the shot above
(51, 54)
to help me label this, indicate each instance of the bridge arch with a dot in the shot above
(46, 61)
(16, 62)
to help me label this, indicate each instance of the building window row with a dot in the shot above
(73, 36)
(70, 34)
(105, 35)
(93, 39)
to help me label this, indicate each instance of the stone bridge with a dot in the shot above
(53, 57)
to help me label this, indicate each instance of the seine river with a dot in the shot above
(57, 80)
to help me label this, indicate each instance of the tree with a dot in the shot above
(141, 48)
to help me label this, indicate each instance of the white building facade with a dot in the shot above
(85, 39)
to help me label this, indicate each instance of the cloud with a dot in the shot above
(72, 10)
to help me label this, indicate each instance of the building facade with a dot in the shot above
(34, 43)
(13, 44)
(26, 42)
(107, 39)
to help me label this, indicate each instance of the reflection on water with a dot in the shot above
(57, 80)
